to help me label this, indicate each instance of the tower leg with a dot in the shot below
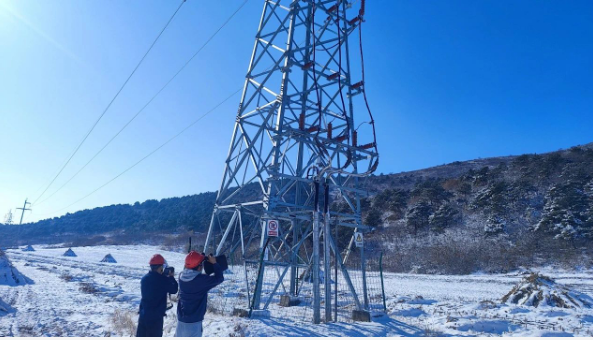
(316, 230)
(326, 256)
(260, 274)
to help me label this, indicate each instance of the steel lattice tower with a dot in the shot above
(8, 217)
(294, 138)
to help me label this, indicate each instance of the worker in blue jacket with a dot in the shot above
(193, 294)
(155, 286)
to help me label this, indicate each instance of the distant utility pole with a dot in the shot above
(8, 217)
(23, 209)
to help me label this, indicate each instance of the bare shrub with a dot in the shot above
(430, 331)
(27, 331)
(85, 241)
(123, 238)
(238, 331)
(487, 304)
(217, 302)
(122, 322)
(66, 277)
(212, 308)
(58, 331)
(88, 288)
(466, 255)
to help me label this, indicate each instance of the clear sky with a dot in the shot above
(446, 80)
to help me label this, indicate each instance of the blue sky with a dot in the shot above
(446, 80)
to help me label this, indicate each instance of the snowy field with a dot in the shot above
(81, 296)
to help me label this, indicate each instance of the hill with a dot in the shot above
(488, 214)
(494, 214)
(118, 223)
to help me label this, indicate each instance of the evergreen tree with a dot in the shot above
(394, 200)
(432, 191)
(418, 214)
(390, 197)
(399, 202)
(373, 218)
(493, 199)
(566, 211)
(445, 216)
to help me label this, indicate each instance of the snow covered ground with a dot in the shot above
(81, 296)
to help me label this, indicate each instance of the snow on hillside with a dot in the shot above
(9, 275)
(4, 308)
(80, 296)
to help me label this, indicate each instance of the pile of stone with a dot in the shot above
(28, 248)
(69, 253)
(109, 259)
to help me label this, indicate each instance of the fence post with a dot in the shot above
(364, 278)
(316, 232)
(293, 261)
(382, 284)
(336, 277)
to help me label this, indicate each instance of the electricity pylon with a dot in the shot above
(8, 217)
(24, 208)
(294, 146)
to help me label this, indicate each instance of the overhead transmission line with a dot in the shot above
(148, 103)
(152, 152)
(112, 100)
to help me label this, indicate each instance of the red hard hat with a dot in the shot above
(193, 259)
(157, 259)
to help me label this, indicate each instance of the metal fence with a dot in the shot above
(235, 295)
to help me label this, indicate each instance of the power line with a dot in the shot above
(152, 152)
(112, 100)
(150, 101)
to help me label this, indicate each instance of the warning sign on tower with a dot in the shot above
(358, 239)
(273, 228)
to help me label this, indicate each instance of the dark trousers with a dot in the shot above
(153, 328)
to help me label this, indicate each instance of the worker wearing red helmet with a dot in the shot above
(193, 293)
(155, 286)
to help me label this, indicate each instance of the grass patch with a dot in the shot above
(88, 288)
(123, 323)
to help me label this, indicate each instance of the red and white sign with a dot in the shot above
(273, 228)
